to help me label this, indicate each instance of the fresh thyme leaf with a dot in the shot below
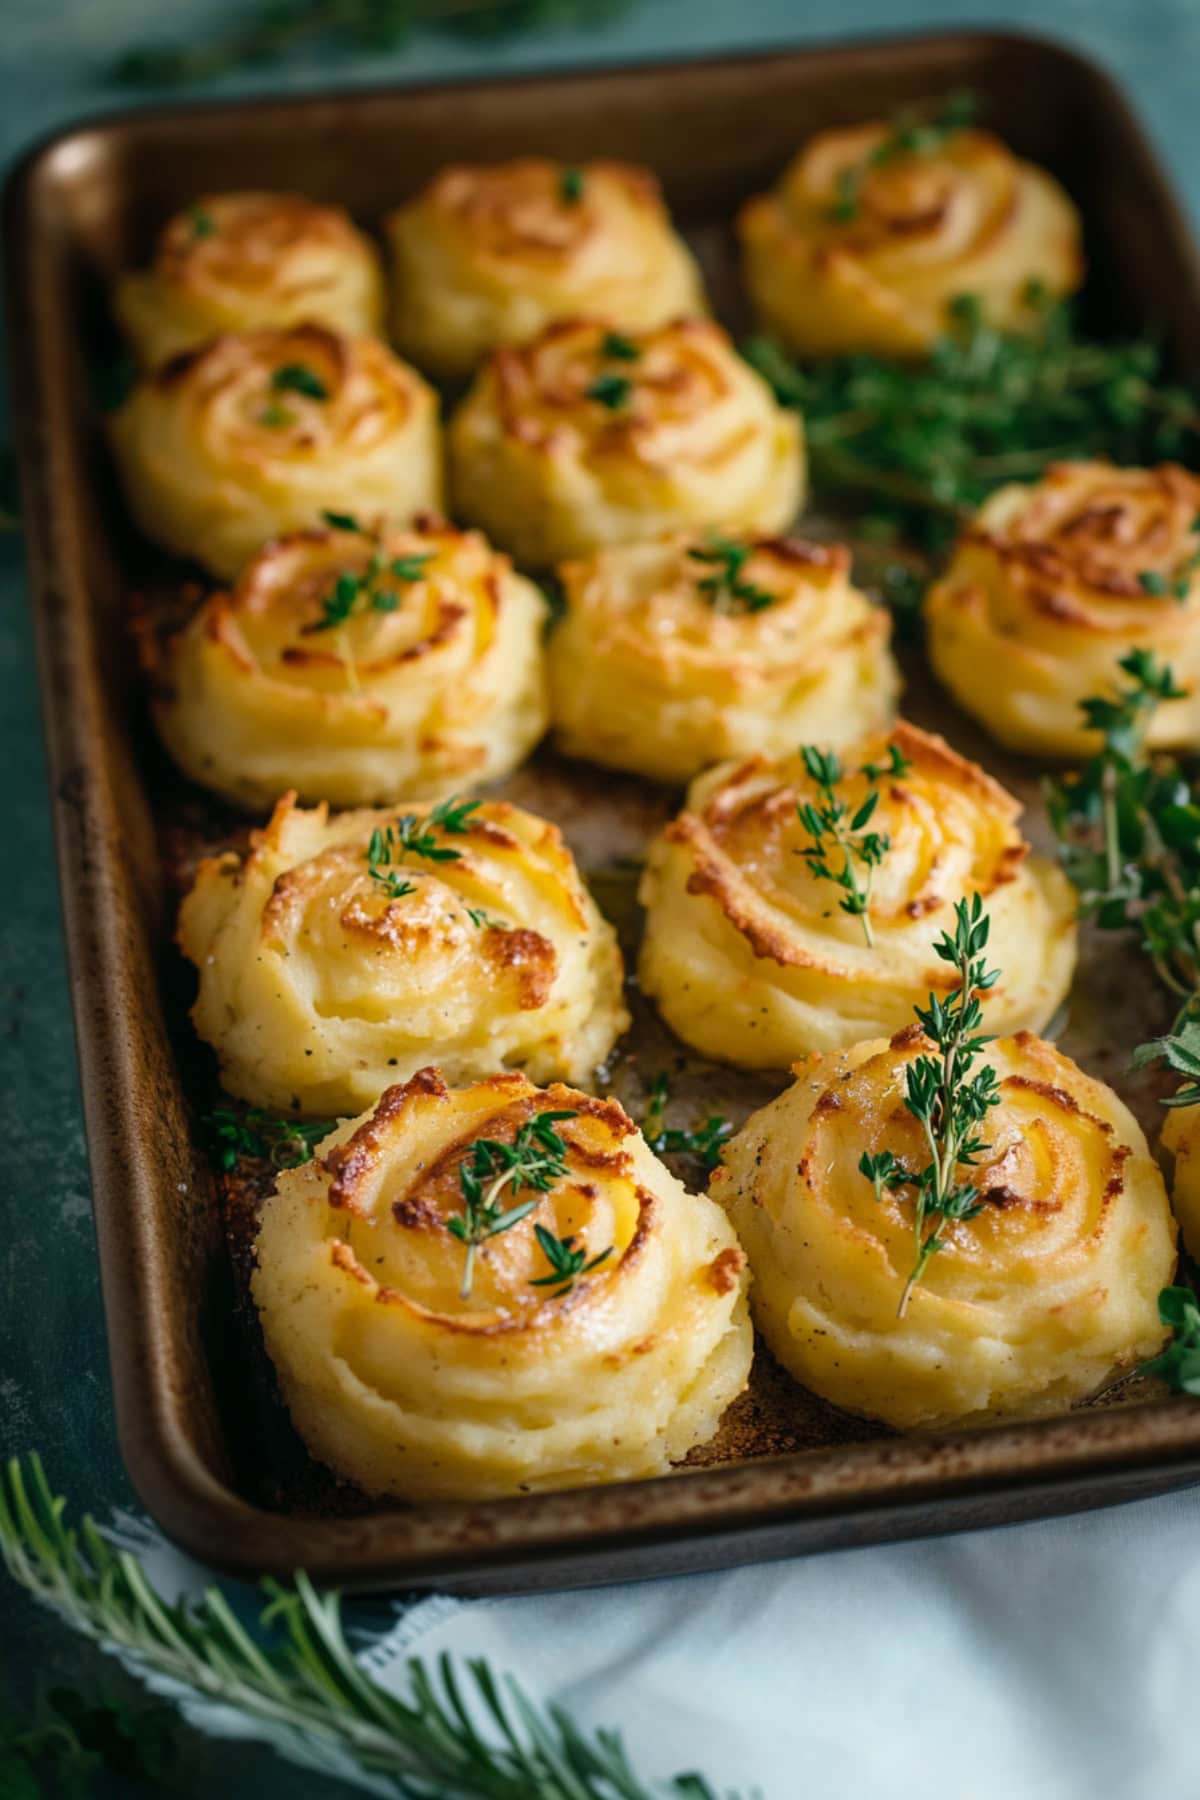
(835, 831)
(704, 1141)
(369, 591)
(295, 1680)
(274, 416)
(913, 132)
(571, 185)
(568, 1262)
(536, 1159)
(726, 589)
(479, 918)
(284, 1143)
(298, 378)
(390, 845)
(927, 443)
(1153, 583)
(343, 522)
(619, 348)
(1179, 1363)
(948, 1095)
(610, 390)
(203, 225)
(1179, 1051)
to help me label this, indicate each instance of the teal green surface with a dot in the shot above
(54, 1392)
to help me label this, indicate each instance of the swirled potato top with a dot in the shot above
(430, 679)
(334, 959)
(261, 432)
(585, 437)
(231, 262)
(748, 954)
(397, 1380)
(489, 255)
(1053, 583)
(865, 243)
(675, 654)
(1029, 1306)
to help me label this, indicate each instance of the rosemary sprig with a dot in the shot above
(927, 443)
(264, 32)
(390, 845)
(569, 1262)
(370, 591)
(704, 1141)
(913, 133)
(297, 1679)
(949, 1096)
(725, 587)
(284, 1143)
(836, 830)
(536, 1159)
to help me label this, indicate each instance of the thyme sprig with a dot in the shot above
(371, 590)
(725, 587)
(925, 444)
(536, 1158)
(703, 1141)
(298, 378)
(569, 1261)
(456, 1735)
(284, 1143)
(837, 830)
(268, 30)
(913, 132)
(949, 1094)
(390, 845)
(571, 185)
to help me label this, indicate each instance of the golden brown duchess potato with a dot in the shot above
(261, 432)
(864, 244)
(1030, 1306)
(747, 953)
(486, 256)
(1181, 1139)
(1053, 583)
(677, 653)
(434, 681)
(234, 262)
(585, 437)
(333, 959)
(397, 1381)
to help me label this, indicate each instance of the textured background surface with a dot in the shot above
(53, 1373)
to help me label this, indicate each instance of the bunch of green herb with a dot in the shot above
(536, 1158)
(724, 586)
(703, 1141)
(925, 443)
(372, 590)
(913, 132)
(477, 1737)
(838, 831)
(69, 1740)
(389, 846)
(1179, 1363)
(568, 1259)
(267, 30)
(949, 1093)
(284, 1143)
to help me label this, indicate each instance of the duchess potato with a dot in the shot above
(425, 1371)
(1031, 1305)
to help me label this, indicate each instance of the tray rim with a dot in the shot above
(855, 1492)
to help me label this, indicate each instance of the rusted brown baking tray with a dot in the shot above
(86, 205)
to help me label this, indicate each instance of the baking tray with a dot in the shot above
(796, 1476)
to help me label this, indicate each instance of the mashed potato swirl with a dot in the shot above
(234, 262)
(1030, 1306)
(397, 1381)
(585, 437)
(747, 954)
(864, 244)
(677, 654)
(1052, 584)
(486, 256)
(261, 432)
(438, 687)
(326, 973)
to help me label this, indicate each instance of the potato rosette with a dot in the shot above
(1053, 583)
(358, 666)
(676, 654)
(1031, 1305)
(486, 256)
(261, 432)
(751, 959)
(235, 262)
(585, 437)
(873, 232)
(1181, 1140)
(342, 951)
(397, 1381)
